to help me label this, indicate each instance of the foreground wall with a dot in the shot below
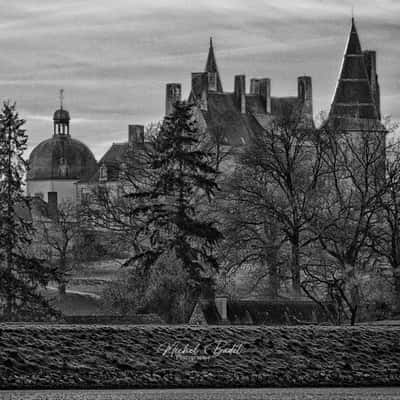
(165, 356)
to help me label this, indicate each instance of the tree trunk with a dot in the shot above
(353, 315)
(295, 268)
(396, 300)
(274, 283)
(62, 282)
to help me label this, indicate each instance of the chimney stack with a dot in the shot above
(135, 134)
(304, 93)
(173, 94)
(240, 92)
(200, 88)
(254, 86)
(52, 207)
(370, 64)
(265, 93)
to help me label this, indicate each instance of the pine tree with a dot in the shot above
(172, 206)
(20, 274)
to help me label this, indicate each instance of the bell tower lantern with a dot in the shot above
(61, 118)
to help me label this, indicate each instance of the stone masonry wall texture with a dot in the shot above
(47, 356)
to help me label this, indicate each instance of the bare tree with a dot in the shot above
(252, 237)
(385, 238)
(347, 212)
(58, 236)
(288, 156)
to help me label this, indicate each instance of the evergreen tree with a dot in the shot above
(20, 274)
(172, 205)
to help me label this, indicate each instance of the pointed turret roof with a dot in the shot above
(353, 97)
(211, 65)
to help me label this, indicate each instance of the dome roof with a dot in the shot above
(61, 157)
(61, 115)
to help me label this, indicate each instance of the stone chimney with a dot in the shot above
(221, 303)
(200, 88)
(370, 64)
(52, 208)
(304, 93)
(135, 134)
(265, 93)
(254, 86)
(172, 95)
(240, 92)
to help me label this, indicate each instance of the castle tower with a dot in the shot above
(214, 80)
(353, 96)
(304, 93)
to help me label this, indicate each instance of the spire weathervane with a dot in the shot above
(61, 98)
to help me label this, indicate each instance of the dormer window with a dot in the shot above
(103, 173)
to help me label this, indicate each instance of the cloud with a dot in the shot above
(114, 58)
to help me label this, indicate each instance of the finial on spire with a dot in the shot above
(211, 43)
(61, 98)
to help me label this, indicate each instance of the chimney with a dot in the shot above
(370, 64)
(200, 88)
(265, 93)
(304, 93)
(52, 208)
(254, 86)
(240, 92)
(173, 94)
(135, 134)
(221, 303)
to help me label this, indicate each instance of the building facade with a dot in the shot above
(66, 169)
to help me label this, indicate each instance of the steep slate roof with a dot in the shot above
(45, 158)
(225, 121)
(211, 65)
(353, 96)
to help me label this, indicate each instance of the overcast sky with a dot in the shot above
(113, 58)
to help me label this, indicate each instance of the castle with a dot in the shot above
(64, 169)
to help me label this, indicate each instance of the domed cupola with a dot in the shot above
(61, 157)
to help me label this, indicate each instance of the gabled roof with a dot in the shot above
(211, 65)
(353, 95)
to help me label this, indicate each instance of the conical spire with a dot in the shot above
(211, 65)
(353, 96)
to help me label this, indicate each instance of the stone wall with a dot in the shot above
(168, 356)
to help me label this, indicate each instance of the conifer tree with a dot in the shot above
(172, 205)
(20, 274)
